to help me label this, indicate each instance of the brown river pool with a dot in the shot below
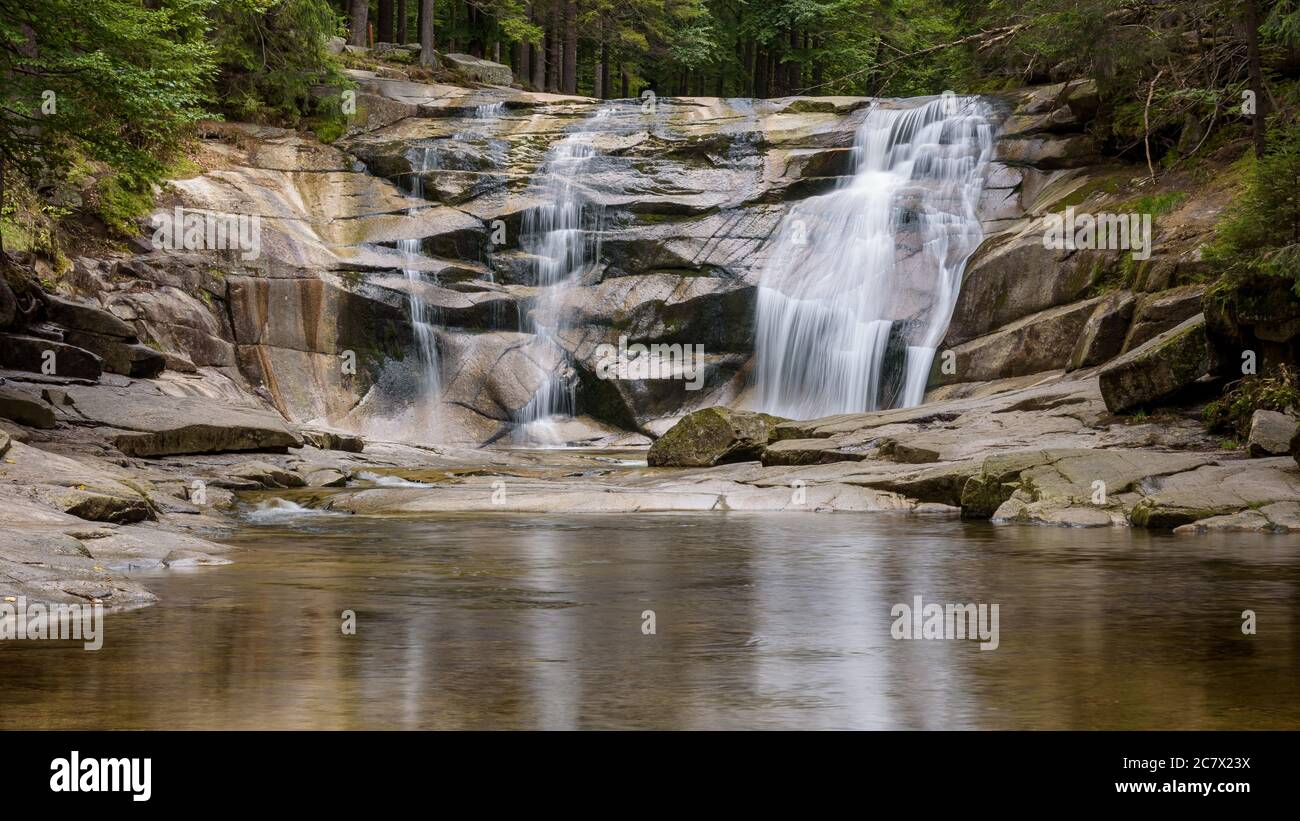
(759, 621)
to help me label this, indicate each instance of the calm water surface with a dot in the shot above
(763, 620)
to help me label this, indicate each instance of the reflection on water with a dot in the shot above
(763, 620)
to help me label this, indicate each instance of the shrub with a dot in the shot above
(1231, 412)
(1261, 234)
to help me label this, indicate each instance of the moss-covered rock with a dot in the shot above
(106, 507)
(713, 436)
(1157, 369)
(998, 478)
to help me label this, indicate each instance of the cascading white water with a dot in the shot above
(425, 395)
(429, 371)
(861, 282)
(563, 234)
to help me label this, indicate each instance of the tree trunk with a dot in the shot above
(747, 72)
(357, 29)
(427, 55)
(4, 260)
(401, 21)
(623, 77)
(451, 28)
(1251, 9)
(554, 47)
(603, 71)
(597, 78)
(571, 47)
(793, 70)
(539, 49)
(385, 21)
(819, 70)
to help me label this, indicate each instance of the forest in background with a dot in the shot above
(101, 98)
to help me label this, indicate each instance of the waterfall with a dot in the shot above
(426, 393)
(426, 343)
(861, 282)
(563, 234)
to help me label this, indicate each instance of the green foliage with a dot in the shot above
(1154, 204)
(112, 81)
(123, 199)
(269, 55)
(1231, 412)
(1261, 233)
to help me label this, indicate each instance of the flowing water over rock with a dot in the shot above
(422, 320)
(563, 234)
(862, 281)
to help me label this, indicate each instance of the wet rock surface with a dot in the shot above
(191, 387)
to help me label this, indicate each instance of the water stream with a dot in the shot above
(426, 342)
(861, 282)
(563, 234)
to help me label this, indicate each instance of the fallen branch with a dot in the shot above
(984, 38)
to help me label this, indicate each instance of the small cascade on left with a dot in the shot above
(412, 391)
(428, 373)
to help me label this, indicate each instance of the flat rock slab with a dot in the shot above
(1279, 517)
(1218, 490)
(161, 425)
(39, 355)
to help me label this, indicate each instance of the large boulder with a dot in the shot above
(266, 475)
(1259, 318)
(1158, 312)
(1270, 433)
(1041, 342)
(121, 356)
(79, 316)
(95, 506)
(1044, 150)
(333, 439)
(1103, 335)
(479, 70)
(713, 436)
(1157, 369)
(1011, 277)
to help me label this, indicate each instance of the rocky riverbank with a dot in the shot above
(79, 514)
(145, 387)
